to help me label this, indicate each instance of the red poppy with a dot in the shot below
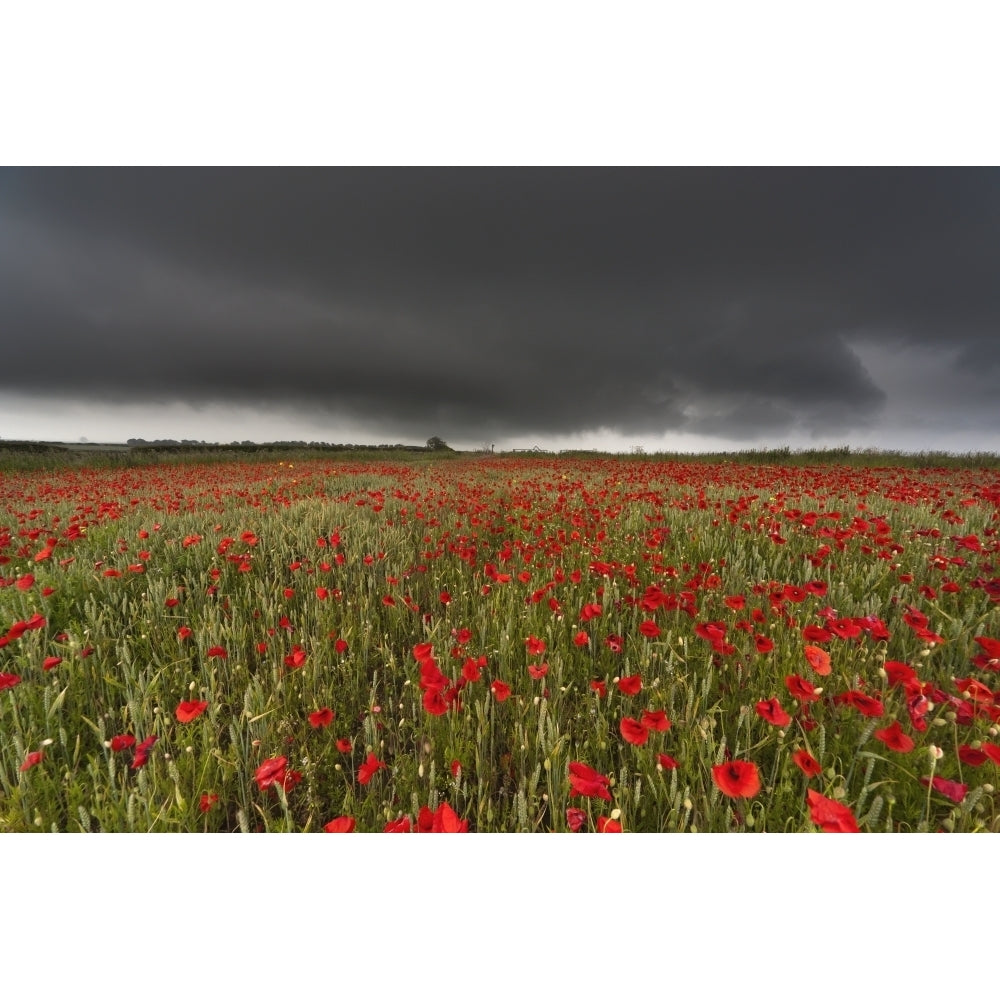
(401, 825)
(800, 689)
(633, 732)
(369, 768)
(207, 801)
(600, 688)
(340, 646)
(606, 825)
(615, 643)
(32, 759)
(590, 611)
(344, 745)
(123, 742)
(296, 658)
(971, 756)
(666, 761)
(656, 720)
(581, 639)
(187, 711)
(25, 582)
(9, 681)
(184, 632)
(142, 752)
(575, 819)
(446, 821)
(270, 772)
(321, 717)
(342, 824)
(218, 651)
(538, 671)
(650, 629)
(738, 779)
(868, 706)
(584, 780)
(831, 816)
(819, 659)
(434, 703)
(806, 763)
(500, 690)
(423, 650)
(535, 646)
(894, 738)
(771, 711)
(50, 662)
(763, 644)
(949, 789)
(630, 685)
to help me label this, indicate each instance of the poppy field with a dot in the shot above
(499, 644)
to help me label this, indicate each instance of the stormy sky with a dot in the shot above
(677, 308)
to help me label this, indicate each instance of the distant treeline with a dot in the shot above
(136, 451)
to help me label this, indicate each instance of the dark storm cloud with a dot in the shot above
(486, 302)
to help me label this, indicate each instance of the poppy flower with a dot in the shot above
(763, 644)
(344, 745)
(538, 671)
(584, 780)
(800, 689)
(606, 825)
(630, 685)
(218, 651)
(50, 662)
(123, 742)
(9, 681)
(575, 818)
(142, 752)
(738, 779)
(771, 711)
(321, 717)
(340, 646)
(831, 816)
(187, 711)
(500, 690)
(535, 646)
(666, 761)
(446, 821)
(296, 658)
(806, 763)
(633, 732)
(949, 789)
(32, 759)
(270, 772)
(25, 582)
(615, 643)
(370, 768)
(655, 720)
(184, 632)
(342, 824)
(581, 639)
(971, 756)
(401, 825)
(207, 801)
(434, 703)
(649, 629)
(819, 659)
(600, 688)
(589, 611)
(894, 738)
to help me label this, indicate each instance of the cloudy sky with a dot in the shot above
(673, 308)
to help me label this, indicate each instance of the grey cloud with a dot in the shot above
(489, 302)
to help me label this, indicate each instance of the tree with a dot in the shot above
(437, 444)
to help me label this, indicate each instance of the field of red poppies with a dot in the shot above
(499, 644)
